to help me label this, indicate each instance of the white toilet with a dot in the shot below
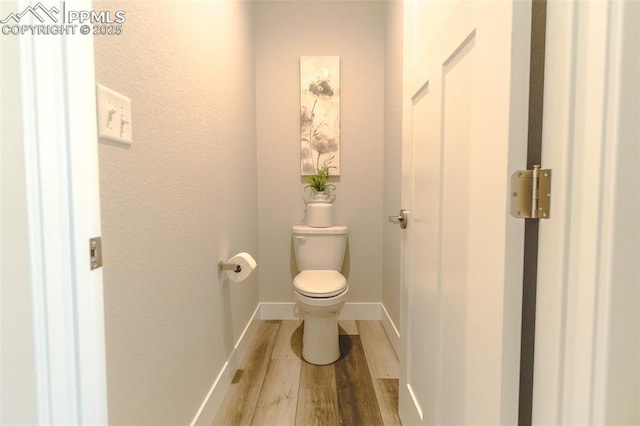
(320, 290)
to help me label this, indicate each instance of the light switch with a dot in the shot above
(114, 115)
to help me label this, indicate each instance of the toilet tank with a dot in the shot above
(319, 248)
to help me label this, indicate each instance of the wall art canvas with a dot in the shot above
(319, 114)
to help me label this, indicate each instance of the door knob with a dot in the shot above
(401, 219)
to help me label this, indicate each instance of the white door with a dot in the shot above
(465, 132)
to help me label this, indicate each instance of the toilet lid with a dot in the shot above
(320, 283)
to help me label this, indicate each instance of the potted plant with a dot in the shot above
(319, 183)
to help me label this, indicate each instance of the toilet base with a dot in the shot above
(320, 340)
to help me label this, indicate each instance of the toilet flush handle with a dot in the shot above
(301, 238)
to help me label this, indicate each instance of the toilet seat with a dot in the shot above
(320, 283)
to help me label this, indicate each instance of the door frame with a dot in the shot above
(63, 213)
(582, 135)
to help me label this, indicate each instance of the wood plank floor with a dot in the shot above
(275, 387)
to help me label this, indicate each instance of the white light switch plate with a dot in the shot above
(114, 115)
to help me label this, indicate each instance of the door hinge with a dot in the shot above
(95, 252)
(531, 193)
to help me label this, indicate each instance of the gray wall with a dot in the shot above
(182, 197)
(284, 31)
(392, 159)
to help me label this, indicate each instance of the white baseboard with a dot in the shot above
(278, 311)
(360, 311)
(212, 401)
(351, 311)
(390, 328)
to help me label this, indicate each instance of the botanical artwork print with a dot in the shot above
(319, 114)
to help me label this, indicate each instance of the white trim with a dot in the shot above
(209, 407)
(577, 258)
(48, 223)
(242, 345)
(58, 111)
(278, 311)
(559, 110)
(351, 311)
(415, 401)
(612, 137)
(360, 311)
(390, 328)
(85, 212)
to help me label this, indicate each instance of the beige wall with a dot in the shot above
(17, 361)
(392, 159)
(182, 197)
(284, 31)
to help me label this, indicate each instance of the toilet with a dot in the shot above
(319, 289)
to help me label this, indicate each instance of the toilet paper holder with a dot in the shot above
(238, 267)
(229, 267)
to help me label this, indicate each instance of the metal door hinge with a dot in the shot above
(95, 252)
(531, 193)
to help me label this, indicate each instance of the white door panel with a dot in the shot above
(458, 315)
(422, 322)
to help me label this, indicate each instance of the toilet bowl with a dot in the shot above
(320, 290)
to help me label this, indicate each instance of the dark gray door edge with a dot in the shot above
(534, 154)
